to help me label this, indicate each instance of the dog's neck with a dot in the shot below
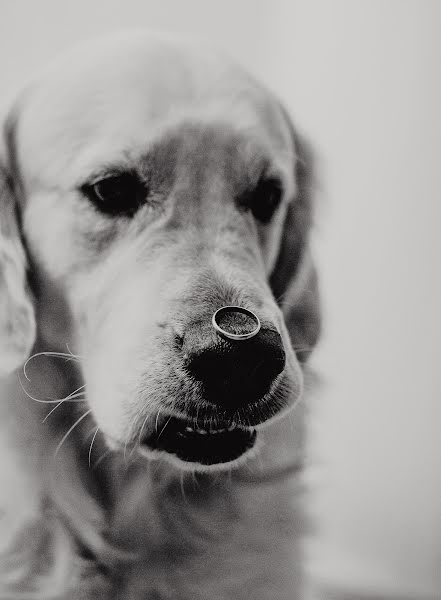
(147, 516)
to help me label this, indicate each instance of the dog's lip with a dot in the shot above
(200, 443)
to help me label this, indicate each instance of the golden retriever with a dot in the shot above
(148, 448)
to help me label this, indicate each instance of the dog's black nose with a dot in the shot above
(233, 373)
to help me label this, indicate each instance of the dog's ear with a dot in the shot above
(294, 278)
(17, 319)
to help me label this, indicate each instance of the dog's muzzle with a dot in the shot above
(235, 361)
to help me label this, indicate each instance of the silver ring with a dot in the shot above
(235, 336)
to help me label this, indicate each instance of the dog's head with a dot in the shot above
(149, 184)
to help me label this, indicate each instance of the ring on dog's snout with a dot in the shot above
(229, 334)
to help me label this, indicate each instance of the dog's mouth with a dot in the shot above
(206, 446)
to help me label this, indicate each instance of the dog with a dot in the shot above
(158, 304)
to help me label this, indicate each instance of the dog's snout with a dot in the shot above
(233, 373)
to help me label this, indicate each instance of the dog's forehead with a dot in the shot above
(100, 104)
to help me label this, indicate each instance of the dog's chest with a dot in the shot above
(199, 540)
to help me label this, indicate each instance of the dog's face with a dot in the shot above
(154, 184)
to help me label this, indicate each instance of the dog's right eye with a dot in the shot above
(120, 194)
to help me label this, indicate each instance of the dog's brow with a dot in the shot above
(194, 145)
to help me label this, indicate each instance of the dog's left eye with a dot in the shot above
(264, 199)
(119, 194)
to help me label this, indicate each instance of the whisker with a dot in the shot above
(91, 444)
(142, 427)
(50, 401)
(75, 397)
(71, 398)
(47, 353)
(73, 356)
(101, 458)
(128, 439)
(66, 435)
(52, 410)
(195, 480)
(131, 435)
(157, 420)
(71, 395)
(89, 433)
(125, 446)
(163, 429)
(184, 495)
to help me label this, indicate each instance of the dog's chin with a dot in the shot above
(177, 441)
(200, 437)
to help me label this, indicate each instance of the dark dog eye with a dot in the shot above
(119, 194)
(264, 199)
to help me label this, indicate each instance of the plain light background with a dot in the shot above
(362, 80)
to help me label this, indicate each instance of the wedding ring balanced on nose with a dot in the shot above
(230, 335)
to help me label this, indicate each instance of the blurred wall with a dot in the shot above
(362, 80)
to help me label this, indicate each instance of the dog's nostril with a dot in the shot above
(178, 341)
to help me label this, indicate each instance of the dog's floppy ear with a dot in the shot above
(294, 278)
(17, 319)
